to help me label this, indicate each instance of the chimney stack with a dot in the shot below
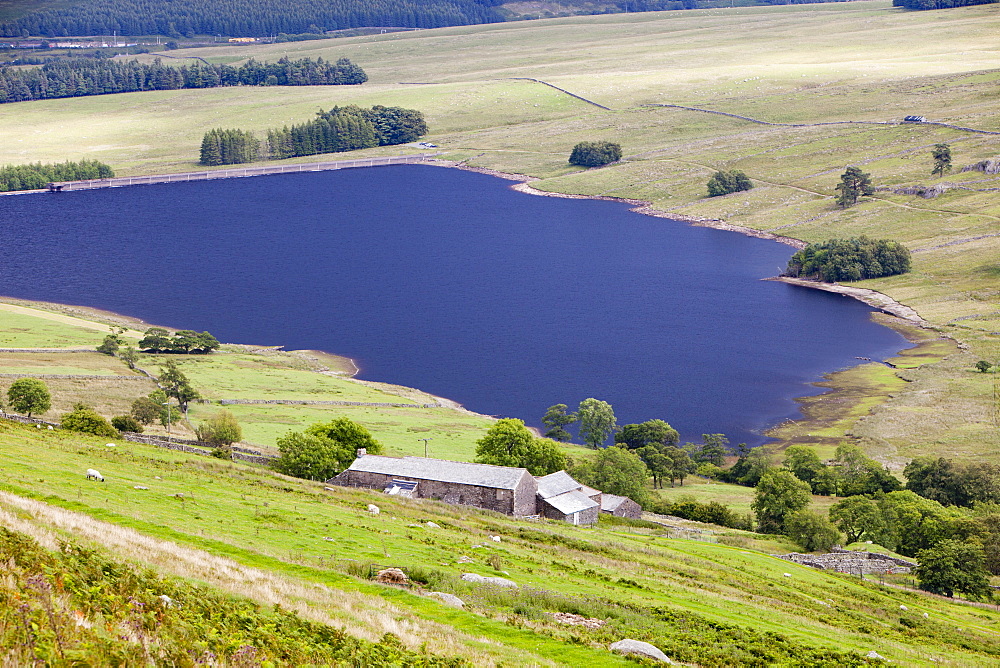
(362, 452)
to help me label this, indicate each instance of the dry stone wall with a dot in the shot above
(858, 563)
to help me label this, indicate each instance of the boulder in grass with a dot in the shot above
(495, 581)
(392, 576)
(637, 647)
(874, 655)
(448, 599)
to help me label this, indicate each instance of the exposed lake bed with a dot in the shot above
(449, 281)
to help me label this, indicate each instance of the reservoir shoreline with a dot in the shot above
(522, 186)
(867, 296)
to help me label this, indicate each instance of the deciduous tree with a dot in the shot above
(778, 495)
(615, 470)
(29, 395)
(85, 419)
(811, 531)
(651, 432)
(509, 443)
(597, 421)
(858, 517)
(804, 463)
(222, 429)
(952, 566)
(595, 153)
(557, 419)
(175, 384)
(724, 183)
(145, 410)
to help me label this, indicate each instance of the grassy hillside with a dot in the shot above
(715, 598)
(320, 382)
(805, 65)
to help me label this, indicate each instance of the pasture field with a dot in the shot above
(235, 372)
(841, 75)
(718, 599)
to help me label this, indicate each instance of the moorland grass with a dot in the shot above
(803, 64)
(297, 528)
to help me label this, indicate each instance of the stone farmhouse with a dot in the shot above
(620, 506)
(560, 497)
(508, 490)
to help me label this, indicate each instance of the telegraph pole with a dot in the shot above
(425, 444)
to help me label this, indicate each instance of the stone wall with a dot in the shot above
(846, 561)
(307, 402)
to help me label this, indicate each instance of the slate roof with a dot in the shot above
(556, 483)
(590, 491)
(442, 470)
(610, 502)
(571, 502)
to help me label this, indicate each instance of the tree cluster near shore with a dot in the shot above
(37, 176)
(939, 4)
(335, 131)
(184, 341)
(725, 183)
(852, 259)
(347, 129)
(79, 77)
(595, 153)
(229, 147)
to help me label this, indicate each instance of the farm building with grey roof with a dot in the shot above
(504, 489)
(508, 490)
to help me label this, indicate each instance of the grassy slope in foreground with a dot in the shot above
(797, 64)
(709, 601)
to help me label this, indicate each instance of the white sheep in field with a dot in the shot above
(373, 509)
(94, 474)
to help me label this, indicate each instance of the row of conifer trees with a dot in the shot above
(334, 131)
(79, 77)
(36, 176)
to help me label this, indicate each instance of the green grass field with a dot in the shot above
(701, 600)
(802, 64)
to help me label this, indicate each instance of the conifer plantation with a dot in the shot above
(229, 147)
(346, 129)
(32, 177)
(340, 129)
(78, 77)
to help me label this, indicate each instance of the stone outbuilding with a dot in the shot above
(620, 506)
(507, 490)
(560, 497)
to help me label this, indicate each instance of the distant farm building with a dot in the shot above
(560, 497)
(620, 506)
(506, 490)
(512, 491)
(242, 40)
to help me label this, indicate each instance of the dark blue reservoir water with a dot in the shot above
(451, 282)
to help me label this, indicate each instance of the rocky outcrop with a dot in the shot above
(392, 576)
(486, 580)
(629, 646)
(990, 166)
(448, 599)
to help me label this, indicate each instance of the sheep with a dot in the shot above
(373, 509)
(94, 474)
(495, 539)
